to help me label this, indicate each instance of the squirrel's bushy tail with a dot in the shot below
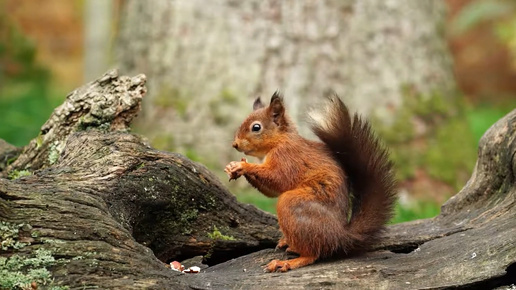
(370, 174)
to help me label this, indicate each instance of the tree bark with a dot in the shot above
(110, 210)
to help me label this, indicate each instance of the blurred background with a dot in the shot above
(431, 75)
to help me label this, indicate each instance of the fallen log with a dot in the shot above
(92, 205)
(97, 198)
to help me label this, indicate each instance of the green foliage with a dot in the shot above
(480, 11)
(430, 132)
(15, 174)
(253, 196)
(483, 116)
(192, 155)
(25, 98)
(452, 151)
(414, 211)
(502, 12)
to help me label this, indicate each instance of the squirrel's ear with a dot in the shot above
(276, 108)
(258, 104)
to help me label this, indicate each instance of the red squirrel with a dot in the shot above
(334, 196)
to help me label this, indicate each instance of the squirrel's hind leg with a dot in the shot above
(311, 228)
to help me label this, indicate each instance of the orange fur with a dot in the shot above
(315, 212)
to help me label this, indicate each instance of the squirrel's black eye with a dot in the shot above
(256, 127)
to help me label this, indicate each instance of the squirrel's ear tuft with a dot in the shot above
(277, 96)
(258, 104)
(276, 108)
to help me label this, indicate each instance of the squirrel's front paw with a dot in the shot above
(235, 169)
(282, 243)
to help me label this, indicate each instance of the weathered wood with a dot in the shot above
(109, 208)
(107, 195)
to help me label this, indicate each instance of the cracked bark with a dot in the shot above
(109, 207)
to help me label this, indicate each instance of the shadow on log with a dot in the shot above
(99, 207)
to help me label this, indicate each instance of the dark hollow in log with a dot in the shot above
(103, 209)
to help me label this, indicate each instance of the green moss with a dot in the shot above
(88, 122)
(39, 141)
(15, 174)
(11, 160)
(186, 217)
(10, 233)
(217, 235)
(55, 151)
(18, 272)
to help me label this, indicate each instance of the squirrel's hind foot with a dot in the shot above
(284, 266)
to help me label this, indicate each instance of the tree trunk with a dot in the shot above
(207, 61)
(108, 208)
(97, 37)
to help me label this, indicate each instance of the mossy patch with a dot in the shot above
(89, 122)
(21, 272)
(10, 234)
(55, 151)
(39, 141)
(15, 174)
(217, 235)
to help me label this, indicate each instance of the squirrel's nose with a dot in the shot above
(235, 145)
